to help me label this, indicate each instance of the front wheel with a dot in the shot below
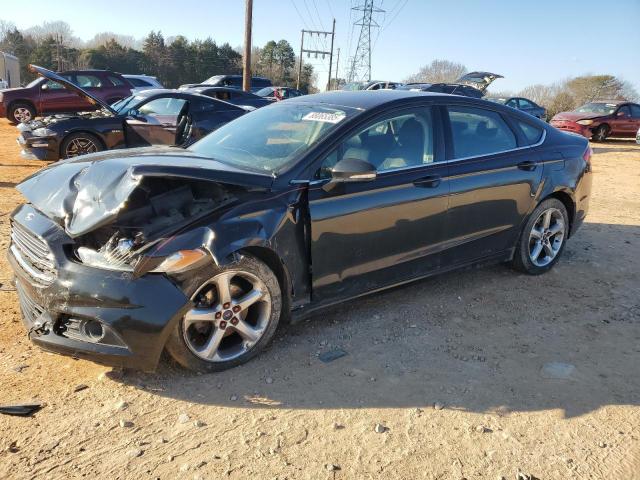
(600, 134)
(80, 144)
(543, 238)
(235, 313)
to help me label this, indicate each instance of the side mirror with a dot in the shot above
(621, 114)
(133, 113)
(351, 170)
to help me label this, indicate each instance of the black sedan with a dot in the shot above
(231, 95)
(290, 208)
(472, 85)
(151, 117)
(520, 103)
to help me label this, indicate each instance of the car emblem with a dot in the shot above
(29, 217)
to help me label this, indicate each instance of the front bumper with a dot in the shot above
(573, 127)
(136, 314)
(39, 148)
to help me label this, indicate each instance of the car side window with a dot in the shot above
(532, 133)
(526, 103)
(635, 111)
(88, 81)
(626, 110)
(115, 81)
(513, 103)
(477, 131)
(399, 141)
(166, 106)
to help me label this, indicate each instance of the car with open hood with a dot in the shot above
(45, 96)
(601, 119)
(472, 85)
(150, 117)
(204, 251)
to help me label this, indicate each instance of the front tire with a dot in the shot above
(236, 312)
(80, 144)
(543, 238)
(600, 134)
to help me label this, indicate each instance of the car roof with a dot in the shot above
(94, 70)
(138, 75)
(362, 99)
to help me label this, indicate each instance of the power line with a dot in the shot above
(299, 15)
(361, 61)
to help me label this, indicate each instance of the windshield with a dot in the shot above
(604, 108)
(497, 100)
(126, 103)
(271, 138)
(265, 92)
(212, 80)
(35, 82)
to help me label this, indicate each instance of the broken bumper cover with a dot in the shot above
(108, 317)
(38, 148)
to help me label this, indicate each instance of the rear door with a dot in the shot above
(368, 235)
(623, 123)
(155, 122)
(494, 175)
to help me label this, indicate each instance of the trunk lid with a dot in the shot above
(479, 80)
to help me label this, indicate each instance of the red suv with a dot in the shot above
(44, 96)
(599, 120)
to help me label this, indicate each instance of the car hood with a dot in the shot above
(64, 119)
(479, 80)
(49, 75)
(573, 116)
(87, 192)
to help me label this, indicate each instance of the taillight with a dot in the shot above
(587, 157)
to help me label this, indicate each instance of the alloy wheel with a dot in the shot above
(22, 115)
(80, 146)
(546, 237)
(230, 316)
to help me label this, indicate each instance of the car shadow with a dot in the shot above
(481, 340)
(608, 146)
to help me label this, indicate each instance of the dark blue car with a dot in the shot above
(523, 104)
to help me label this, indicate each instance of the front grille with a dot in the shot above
(33, 255)
(31, 311)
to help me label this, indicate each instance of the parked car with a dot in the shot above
(233, 81)
(524, 104)
(232, 95)
(204, 251)
(638, 137)
(43, 96)
(602, 119)
(371, 85)
(472, 85)
(142, 82)
(275, 94)
(151, 117)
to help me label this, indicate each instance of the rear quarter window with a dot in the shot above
(115, 81)
(531, 133)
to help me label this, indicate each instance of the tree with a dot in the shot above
(438, 71)
(285, 58)
(268, 56)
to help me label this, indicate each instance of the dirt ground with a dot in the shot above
(480, 345)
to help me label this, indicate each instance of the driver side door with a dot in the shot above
(367, 235)
(155, 122)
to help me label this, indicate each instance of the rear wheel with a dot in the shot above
(21, 113)
(600, 134)
(235, 313)
(543, 238)
(80, 144)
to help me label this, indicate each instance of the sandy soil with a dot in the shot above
(474, 342)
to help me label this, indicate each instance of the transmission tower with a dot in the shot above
(361, 62)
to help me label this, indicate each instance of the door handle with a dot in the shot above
(430, 181)
(528, 165)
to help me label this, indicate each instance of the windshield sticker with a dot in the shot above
(324, 117)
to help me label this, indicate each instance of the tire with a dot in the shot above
(535, 259)
(241, 334)
(21, 112)
(600, 134)
(80, 143)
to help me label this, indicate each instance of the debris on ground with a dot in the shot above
(332, 355)
(20, 409)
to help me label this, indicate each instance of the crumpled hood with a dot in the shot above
(573, 116)
(87, 192)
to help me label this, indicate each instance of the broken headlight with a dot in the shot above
(43, 132)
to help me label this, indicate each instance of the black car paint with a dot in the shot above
(534, 110)
(325, 246)
(119, 130)
(232, 95)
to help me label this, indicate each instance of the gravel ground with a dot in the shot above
(483, 373)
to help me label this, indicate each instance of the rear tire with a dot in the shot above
(80, 143)
(219, 332)
(543, 238)
(600, 134)
(21, 112)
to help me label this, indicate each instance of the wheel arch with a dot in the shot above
(81, 130)
(568, 202)
(21, 100)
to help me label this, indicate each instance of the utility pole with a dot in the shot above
(337, 65)
(333, 34)
(315, 52)
(246, 60)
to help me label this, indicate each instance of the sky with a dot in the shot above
(527, 42)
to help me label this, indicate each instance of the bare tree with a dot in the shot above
(438, 71)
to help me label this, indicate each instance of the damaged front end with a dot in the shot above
(98, 250)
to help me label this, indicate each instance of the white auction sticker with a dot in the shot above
(324, 117)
